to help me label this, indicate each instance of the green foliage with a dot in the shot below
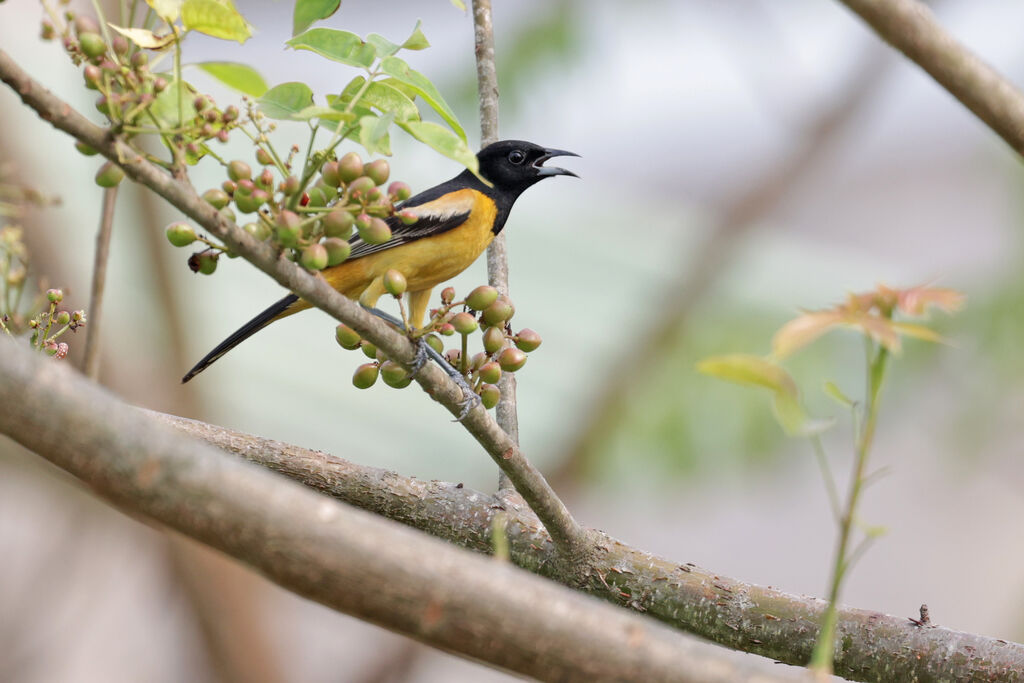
(308, 12)
(241, 77)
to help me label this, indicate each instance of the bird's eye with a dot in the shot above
(516, 157)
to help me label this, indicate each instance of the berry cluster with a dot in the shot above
(309, 225)
(482, 310)
(51, 324)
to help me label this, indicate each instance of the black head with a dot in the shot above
(514, 165)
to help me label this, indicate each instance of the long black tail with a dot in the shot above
(240, 335)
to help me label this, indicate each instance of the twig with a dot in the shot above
(910, 27)
(730, 612)
(529, 482)
(91, 359)
(497, 253)
(347, 559)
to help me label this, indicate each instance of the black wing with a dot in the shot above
(428, 225)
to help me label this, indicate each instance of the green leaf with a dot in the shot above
(398, 69)
(217, 18)
(168, 10)
(143, 38)
(286, 100)
(382, 45)
(339, 46)
(324, 114)
(165, 105)
(241, 77)
(373, 133)
(834, 392)
(309, 11)
(443, 140)
(401, 87)
(459, 4)
(416, 41)
(793, 419)
(341, 101)
(388, 99)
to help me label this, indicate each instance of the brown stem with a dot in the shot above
(91, 358)
(733, 613)
(910, 27)
(528, 481)
(347, 559)
(497, 253)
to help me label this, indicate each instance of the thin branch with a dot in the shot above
(736, 220)
(564, 530)
(91, 358)
(497, 253)
(347, 559)
(910, 27)
(730, 612)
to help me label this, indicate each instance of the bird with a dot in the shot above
(456, 221)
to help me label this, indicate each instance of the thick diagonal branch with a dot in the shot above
(332, 553)
(529, 482)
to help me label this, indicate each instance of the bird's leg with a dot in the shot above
(423, 352)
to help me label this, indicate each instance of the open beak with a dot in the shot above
(553, 170)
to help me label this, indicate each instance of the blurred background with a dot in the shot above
(740, 161)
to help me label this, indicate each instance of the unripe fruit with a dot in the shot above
(407, 216)
(248, 203)
(227, 214)
(330, 174)
(369, 350)
(109, 175)
(290, 185)
(376, 231)
(258, 230)
(264, 157)
(93, 76)
(48, 32)
(394, 282)
(139, 60)
(207, 262)
(85, 149)
(346, 337)
(482, 297)
(337, 250)
(86, 24)
(120, 45)
(200, 103)
(180, 234)
(160, 84)
(499, 312)
(365, 376)
(339, 223)
(373, 196)
(314, 257)
(447, 295)
(464, 323)
(92, 44)
(245, 186)
(63, 318)
(394, 375)
(434, 342)
(489, 396)
(446, 329)
(54, 296)
(453, 356)
(528, 340)
(50, 348)
(222, 135)
(229, 186)
(102, 105)
(239, 170)
(316, 197)
(494, 339)
(490, 372)
(359, 187)
(266, 179)
(511, 359)
(230, 114)
(399, 191)
(288, 228)
(350, 167)
(378, 171)
(216, 197)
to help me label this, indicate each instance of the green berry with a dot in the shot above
(92, 44)
(407, 217)
(375, 232)
(350, 167)
(399, 191)
(447, 295)
(216, 197)
(446, 329)
(359, 187)
(120, 45)
(453, 356)
(239, 170)
(435, 343)
(527, 340)
(54, 296)
(208, 262)
(499, 312)
(394, 375)
(139, 60)
(314, 257)
(63, 318)
(93, 76)
(229, 186)
(490, 372)
(489, 395)
(316, 197)
(394, 282)
(511, 359)
(369, 350)
(377, 171)
(290, 186)
(85, 149)
(258, 230)
(482, 297)
(337, 250)
(109, 175)
(86, 24)
(330, 174)
(464, 323)
(339, 223)
(180, 234)
(494, 339)
(346, 337)
(365, 376)
(263, 157)
(288, 228)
